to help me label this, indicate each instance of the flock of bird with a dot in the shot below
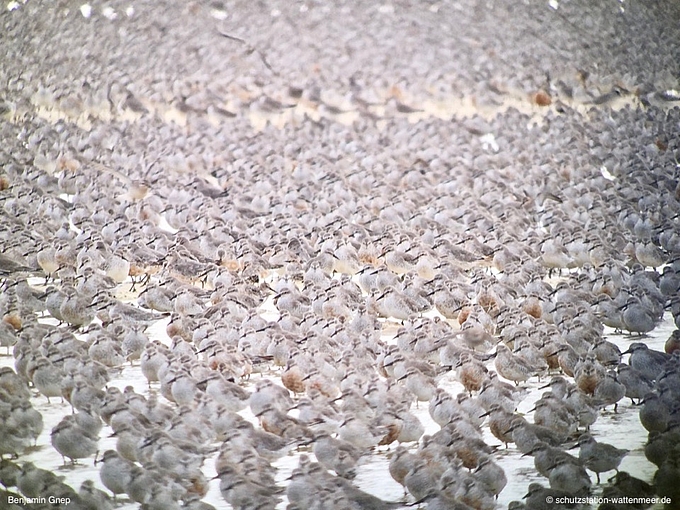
(319, 277)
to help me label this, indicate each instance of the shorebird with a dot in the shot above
(588, 374)
(666, 477)
(360, 434)
(512, 367)
(32, 480)
(47, 378)
(232, 396)
(73, 441)
(609, 391)
(527, 435)
(599, 457)
(115, 473)
(672, 345)
(500, 423)
(242, 491)
(419, 384)
(491, 475)
(622, 484)
(546, 457)
(9, 267)
(337, 455)
(555, 415)
(638, 318)
(470, 372)
(647, 361)
(92, 497)
(75, 309)
(637, 386)
(392, 303)
(569, 477)
(654, 413)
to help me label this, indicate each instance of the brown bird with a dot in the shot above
(470, 372)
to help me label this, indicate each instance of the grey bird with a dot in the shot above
(92, 498)
(654, 414)
(115, 473)
(647, 361)
(336, 454)
(541, 498)
(511, 367)
(609, 391)
(637, 318)
(9, 266)
(622, 484)
(666, 478)
(72, 441)
(569, 477)
(599, 457)
(637, 385)
(361, 499)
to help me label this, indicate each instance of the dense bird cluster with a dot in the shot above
(326, 243)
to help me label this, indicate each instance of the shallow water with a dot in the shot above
(621, 429)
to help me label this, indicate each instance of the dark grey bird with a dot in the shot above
(647, 361)
(623, 484)
(654, 414)
(637, 385)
